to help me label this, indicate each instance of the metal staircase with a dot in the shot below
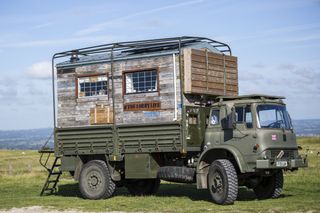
(54, 172)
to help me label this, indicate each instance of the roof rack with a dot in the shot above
(145, 46)
(253, 96)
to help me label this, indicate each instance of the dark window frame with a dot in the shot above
(219, 118)
(88, 76)
(124, 80)
(244, 120)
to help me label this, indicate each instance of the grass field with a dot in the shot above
(21, 179)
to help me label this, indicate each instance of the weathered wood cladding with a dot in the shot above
(209, 73)
(205, 72)
(75, 111)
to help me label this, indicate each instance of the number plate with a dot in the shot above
(281, 163)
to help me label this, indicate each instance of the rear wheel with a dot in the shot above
(95, 181)
(139, 187)
(270, 186)
(223, 182)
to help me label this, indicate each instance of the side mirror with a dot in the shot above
(229, 121)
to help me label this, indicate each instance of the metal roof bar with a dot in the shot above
(144, 45)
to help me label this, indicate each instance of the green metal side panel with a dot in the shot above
(83, 140)
(146, 138)
(140, 166)
(69, 163)
(150, 138)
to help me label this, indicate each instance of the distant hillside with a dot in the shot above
(307, 127)
(25, 139)
(35, 138)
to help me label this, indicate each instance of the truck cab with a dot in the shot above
(254, 135)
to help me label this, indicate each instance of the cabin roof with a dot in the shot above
(138, 49)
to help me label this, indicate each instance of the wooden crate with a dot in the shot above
(101, 114)
(209, 73)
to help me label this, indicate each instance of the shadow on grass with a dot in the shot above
(165, 190)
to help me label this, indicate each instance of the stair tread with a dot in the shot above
(56, 173)
(53, 181)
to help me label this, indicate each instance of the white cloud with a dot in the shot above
(101, 26)
(40, 70)
(43, 25)
(55, 42)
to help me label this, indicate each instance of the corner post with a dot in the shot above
(114, 157)
(183, 118)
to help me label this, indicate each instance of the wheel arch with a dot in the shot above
(212, 154)
(83, 159)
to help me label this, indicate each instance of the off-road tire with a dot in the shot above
(177, 174)
(95, 181)
(223, 182)
(140, 187)
(270, 186)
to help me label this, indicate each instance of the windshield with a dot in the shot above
(273, 116)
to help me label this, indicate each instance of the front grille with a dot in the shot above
(288, 154)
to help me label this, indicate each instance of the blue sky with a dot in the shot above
(277, 43)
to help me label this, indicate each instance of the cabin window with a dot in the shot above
(92, 86)
(141, 81)
(215, 117)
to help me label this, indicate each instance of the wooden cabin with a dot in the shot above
(142, 83)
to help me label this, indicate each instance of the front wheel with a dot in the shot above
(270, 186)
(223, 182)
(139, 187)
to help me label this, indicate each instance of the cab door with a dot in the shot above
(197, 119)
(213, 132)
(243, 133)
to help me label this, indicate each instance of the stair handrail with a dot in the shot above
(43, 151)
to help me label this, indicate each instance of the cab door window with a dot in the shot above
(215, 117)
(244, 115)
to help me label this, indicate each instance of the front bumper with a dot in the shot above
(280, 164)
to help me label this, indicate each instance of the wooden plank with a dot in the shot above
(212, 55)
(218, 62)
(202, 53)
(211, 79)
(217, 92)
(219, 74)
(214, 60)
(231, 58)
(219, 86)
(203, 59)
(213, 67)
(187, 69)
(201, 91)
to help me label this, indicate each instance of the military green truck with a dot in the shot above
(130, 114)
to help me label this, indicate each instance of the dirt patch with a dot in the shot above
(39, 209)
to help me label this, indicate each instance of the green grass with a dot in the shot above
(21, 179)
